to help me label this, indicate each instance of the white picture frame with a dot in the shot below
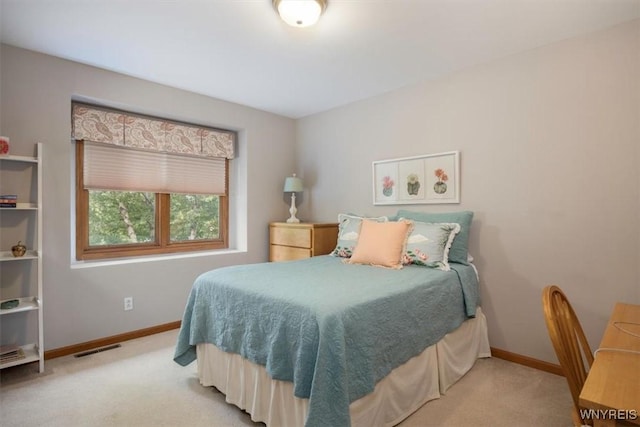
(427, 179)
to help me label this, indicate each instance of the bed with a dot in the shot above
(325, 341)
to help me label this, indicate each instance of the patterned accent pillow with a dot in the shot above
(349, 232)
(460, 247)
(429, 244)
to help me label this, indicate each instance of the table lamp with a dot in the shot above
(293, 185)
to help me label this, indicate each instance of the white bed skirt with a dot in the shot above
(424, 377)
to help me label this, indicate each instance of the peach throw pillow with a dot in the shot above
(381, 243)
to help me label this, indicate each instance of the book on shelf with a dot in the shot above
(10, 352)
(8, 200)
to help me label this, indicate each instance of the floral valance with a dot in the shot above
(98, 124)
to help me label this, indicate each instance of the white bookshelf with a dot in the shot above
(28, 291)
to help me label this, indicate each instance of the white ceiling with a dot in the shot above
(240, 51)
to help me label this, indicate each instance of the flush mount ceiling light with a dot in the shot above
(300, 13)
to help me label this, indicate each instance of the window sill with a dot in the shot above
(151, 258)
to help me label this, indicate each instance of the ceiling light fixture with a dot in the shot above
(300, 13)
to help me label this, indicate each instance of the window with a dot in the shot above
(135, 200)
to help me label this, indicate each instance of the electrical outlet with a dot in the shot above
(128, 303)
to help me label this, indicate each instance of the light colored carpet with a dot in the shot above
(139, 385)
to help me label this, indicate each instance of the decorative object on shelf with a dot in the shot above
(293, 185)
(300, 13)
(8, 201)
(10, 352)
(432, 178)
(4, 145)
(19, 249)
(9, 304)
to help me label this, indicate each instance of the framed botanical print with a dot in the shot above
(432, 178)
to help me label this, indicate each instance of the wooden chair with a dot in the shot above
(571, 346)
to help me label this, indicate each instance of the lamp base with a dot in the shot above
(293, 210)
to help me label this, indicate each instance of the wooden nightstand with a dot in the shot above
(288, 241)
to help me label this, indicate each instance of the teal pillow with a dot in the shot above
(429, 244)
(349, 232)
(460, 246)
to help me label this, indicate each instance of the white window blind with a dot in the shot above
(110, 167)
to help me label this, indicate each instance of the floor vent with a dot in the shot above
(97, 350)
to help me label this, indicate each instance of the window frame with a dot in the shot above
(162, 243)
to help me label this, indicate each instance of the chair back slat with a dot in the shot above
(569, 342)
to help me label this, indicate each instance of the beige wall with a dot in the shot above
(549, 145)
(550, 151)
(82, 304)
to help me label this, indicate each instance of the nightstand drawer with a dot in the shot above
(288, 253)
(298, 237)
(301, 240)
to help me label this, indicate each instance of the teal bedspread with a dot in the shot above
(333, 329)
